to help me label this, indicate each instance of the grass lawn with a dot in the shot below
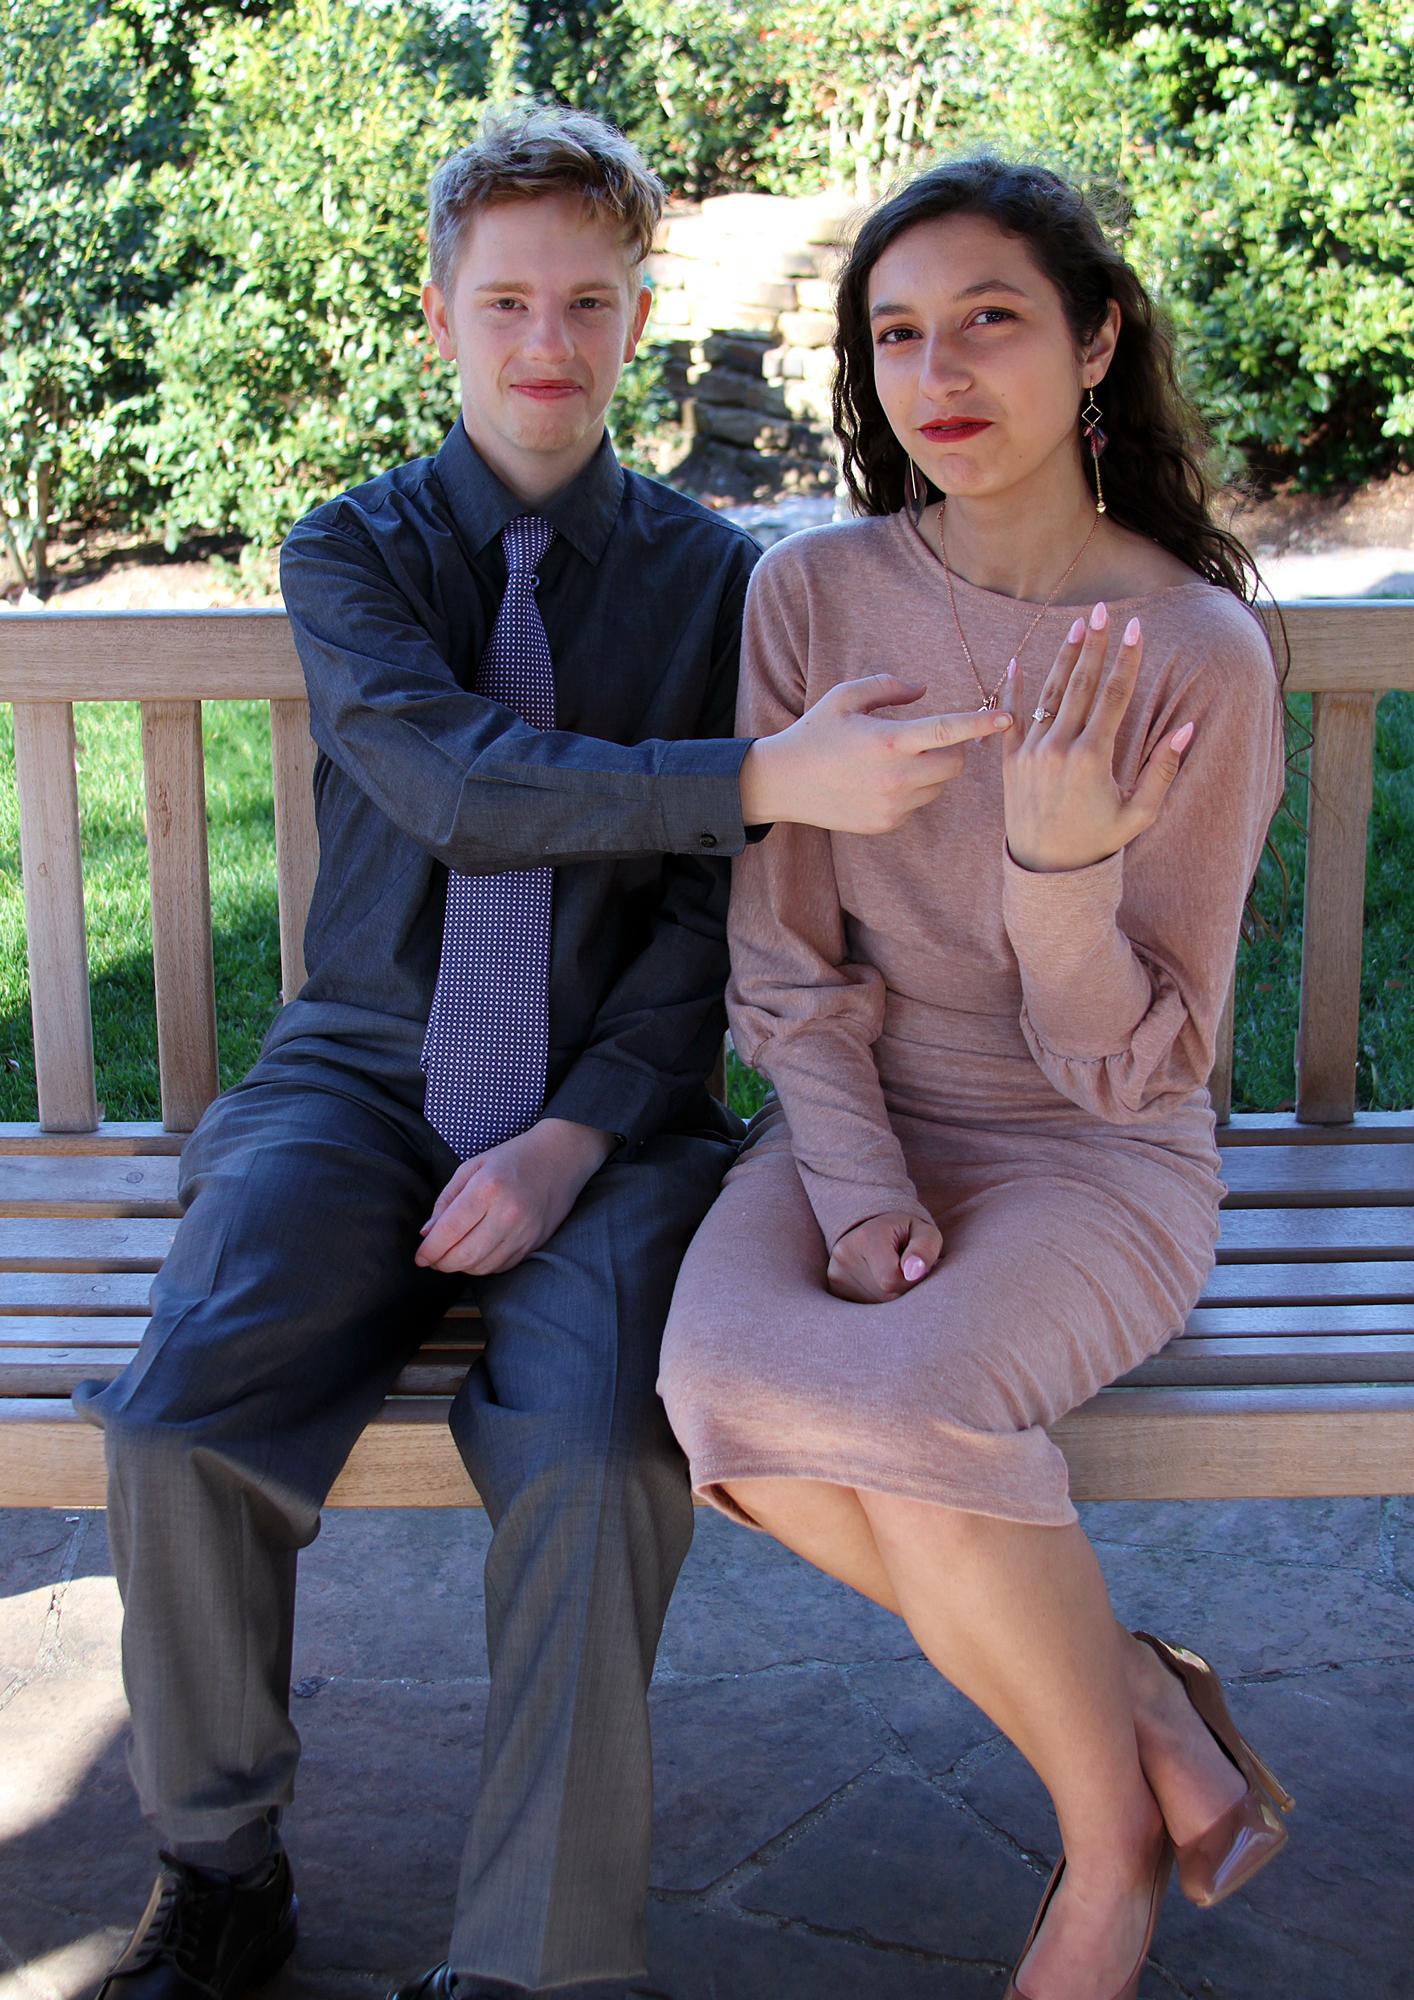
(247, 946)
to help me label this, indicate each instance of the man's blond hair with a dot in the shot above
(526, 149)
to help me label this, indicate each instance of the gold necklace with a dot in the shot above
(989, 701)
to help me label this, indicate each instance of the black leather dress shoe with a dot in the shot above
(206, 1936)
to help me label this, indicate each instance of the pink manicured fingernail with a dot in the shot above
(1077, 632)
(1181, 738)
(1000, 721)
(913, 1269)
(1131, 632)
(1011, 670)
(1099, 618)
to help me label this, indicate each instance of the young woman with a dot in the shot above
(987, 1183)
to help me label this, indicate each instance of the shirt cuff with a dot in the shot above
(702, 803)
(611, 1096)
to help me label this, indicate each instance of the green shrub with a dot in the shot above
(80, 120)
(293, 359)
(1275, 208)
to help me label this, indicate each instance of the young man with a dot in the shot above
(521, 664)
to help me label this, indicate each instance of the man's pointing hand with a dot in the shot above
(847, 768)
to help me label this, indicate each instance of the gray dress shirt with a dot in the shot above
(392, 590)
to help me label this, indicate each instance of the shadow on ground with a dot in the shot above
(832, 1820)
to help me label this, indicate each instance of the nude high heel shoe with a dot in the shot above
(1248, 1835)
(1130, 1988)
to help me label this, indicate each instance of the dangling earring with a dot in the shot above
(910, 486)
(1090, 423)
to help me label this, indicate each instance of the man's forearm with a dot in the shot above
(576, 1148)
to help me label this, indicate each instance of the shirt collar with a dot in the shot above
(584, 511)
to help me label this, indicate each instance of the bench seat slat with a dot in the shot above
(53, 1186)
(457, 1334)
(1256, 1322)
(1281, 1235)
(78, 1292)
(1318, 1176)
(1245, 1128)
(1249, 1235)
(1312, 1357)
(29, 1330)
(55, 1371)
(85, 1244)
(1257, 1176)
(1388, 1283)
(113, 1137)
(1297, 1328)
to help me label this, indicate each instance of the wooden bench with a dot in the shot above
(1295, 1375)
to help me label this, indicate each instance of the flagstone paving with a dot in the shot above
(833, 1821)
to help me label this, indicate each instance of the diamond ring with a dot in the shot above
(1043, 715)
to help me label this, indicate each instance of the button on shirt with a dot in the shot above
(392, 591)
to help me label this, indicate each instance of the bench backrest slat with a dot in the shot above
(52, 864)
(148, 656)
(1220, 1082)
(183, 974)
(1327, 1042)
(1347, 653)
(296, 837)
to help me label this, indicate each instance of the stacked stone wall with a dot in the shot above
(744, 298)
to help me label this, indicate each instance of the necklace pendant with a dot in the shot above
(988, 705)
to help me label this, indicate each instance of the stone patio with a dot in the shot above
(834, 1823)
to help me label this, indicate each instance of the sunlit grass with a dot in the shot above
(247, 944)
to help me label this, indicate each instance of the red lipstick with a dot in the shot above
(951, 430)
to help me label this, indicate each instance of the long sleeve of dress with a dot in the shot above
(800, 1011)
(1125, 965)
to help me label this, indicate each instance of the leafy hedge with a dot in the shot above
(211, 253)
(294, 358)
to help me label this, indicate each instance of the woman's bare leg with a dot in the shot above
(1018, 1618)
(830, 1527)
(826, 1525)
(1023, 1626)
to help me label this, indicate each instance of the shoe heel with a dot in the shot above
(1268, 1779)
(1205, 1691)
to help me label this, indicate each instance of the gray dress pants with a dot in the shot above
(283, 1314)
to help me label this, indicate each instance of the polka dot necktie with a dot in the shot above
(488, 1034)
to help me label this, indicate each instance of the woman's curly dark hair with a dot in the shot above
(1154, 475)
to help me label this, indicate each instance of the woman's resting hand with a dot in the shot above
(883, 1258)
(1063, 807)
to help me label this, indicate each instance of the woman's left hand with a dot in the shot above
(1063, 807)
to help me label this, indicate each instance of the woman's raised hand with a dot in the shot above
(1063, 807)
(883, 1258)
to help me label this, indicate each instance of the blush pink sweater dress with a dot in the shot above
(1022, 1057)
